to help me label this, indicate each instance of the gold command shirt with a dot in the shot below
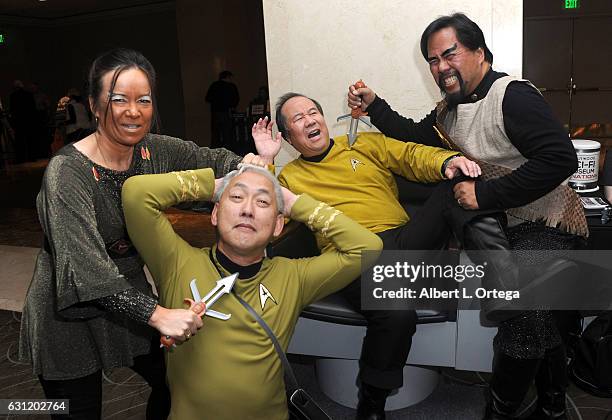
(229, 370)
(359, 180)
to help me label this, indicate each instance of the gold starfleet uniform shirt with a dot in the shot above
(229, 370)
(359, 180)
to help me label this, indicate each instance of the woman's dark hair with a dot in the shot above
(281, 124)
(117, 61)
(468, 33)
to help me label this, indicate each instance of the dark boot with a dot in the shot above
(491, 413)
(509, 385)
(504, 272)
(372, 401)
(551, 383)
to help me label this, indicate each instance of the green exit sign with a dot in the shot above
(2, 38)
(571, 4)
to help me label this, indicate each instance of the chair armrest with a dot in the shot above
(336, 309)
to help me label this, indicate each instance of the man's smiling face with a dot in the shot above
(247, 215)
(456, 69)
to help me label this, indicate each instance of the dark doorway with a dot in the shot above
(567, 55)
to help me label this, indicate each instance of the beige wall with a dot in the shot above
(319, 47)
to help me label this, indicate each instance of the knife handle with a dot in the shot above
(357, 112)
(199, 308)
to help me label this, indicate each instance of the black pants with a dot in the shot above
(222, 134)
(85, 394)
(389, 332)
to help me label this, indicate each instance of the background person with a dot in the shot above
(78, 123)
(223, 97)
(22, 109)
(42, 137)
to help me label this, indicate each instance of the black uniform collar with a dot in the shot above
(244, 272)
(483, 87)
(320, 157)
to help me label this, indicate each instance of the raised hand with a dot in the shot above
(267, 146)
(289, 198)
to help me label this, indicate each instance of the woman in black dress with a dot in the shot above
(89, 307)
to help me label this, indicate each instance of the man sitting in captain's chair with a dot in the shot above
(359, 181)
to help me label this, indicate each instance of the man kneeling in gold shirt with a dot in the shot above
(230, 370)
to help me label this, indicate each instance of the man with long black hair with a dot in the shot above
(505, 125)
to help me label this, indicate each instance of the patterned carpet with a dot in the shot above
(125, 393)
(459, 396)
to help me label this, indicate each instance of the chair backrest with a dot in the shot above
(296, 241)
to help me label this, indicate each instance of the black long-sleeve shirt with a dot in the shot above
(222, 96)
(531, 127)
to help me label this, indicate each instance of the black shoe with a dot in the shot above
(497, 409)
(492, 414)
(551, 383)
(371, 404)
(542, 413)
(509, 387)
(505, 274)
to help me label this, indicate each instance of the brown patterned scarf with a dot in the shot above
(560, 208)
